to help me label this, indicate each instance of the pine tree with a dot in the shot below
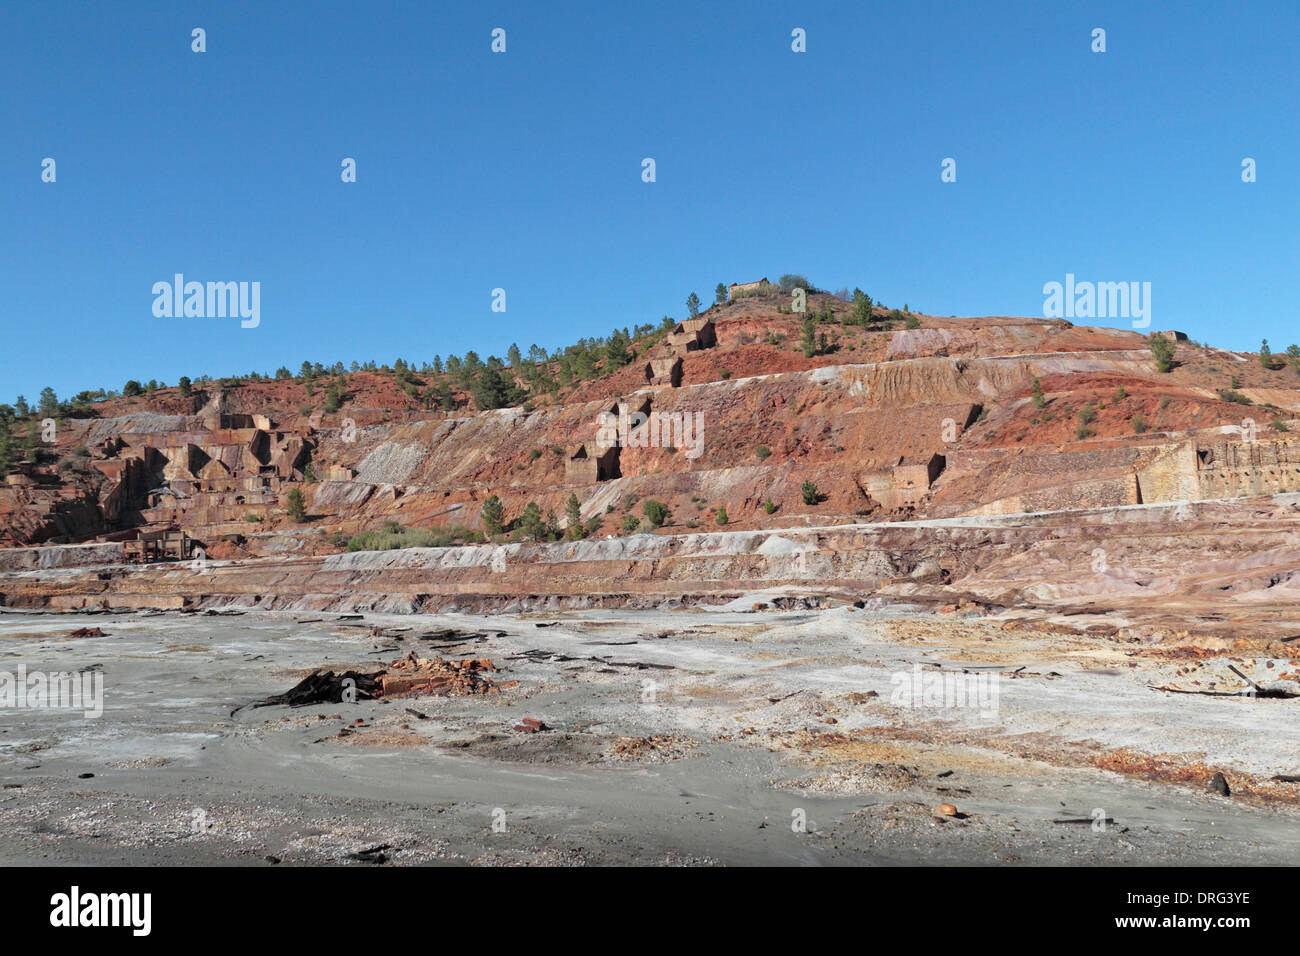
(862, 306)
(720, 295)
(294, 506)
(6, 447)
(531, 522)
(809, 340)
(493, 389)
(573, 512)
(617, 348)
(493, 515)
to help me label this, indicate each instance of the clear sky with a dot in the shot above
(523, 170)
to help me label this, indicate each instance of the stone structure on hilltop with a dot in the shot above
(745, 287)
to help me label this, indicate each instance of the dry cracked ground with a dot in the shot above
(720, 736)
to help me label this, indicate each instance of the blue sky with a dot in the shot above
(522, 170)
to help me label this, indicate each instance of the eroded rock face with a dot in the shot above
(940, 422)
(1218, 568)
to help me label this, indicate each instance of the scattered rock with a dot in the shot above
(374, 854)
(1219, 784)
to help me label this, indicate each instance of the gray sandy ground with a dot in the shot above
(759, 721)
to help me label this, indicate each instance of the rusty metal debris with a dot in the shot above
(540, 656)
(372, 854)
(322, 688)
(1106, 820)
(1261, 693)
(410, 676)
(413, 676)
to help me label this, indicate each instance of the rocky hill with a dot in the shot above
(736, 422)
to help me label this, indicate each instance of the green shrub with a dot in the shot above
(656, 512)
(1162, 350)
(388, 540)
(762, 451)
(811, 495)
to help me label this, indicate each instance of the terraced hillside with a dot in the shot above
(901, 429)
